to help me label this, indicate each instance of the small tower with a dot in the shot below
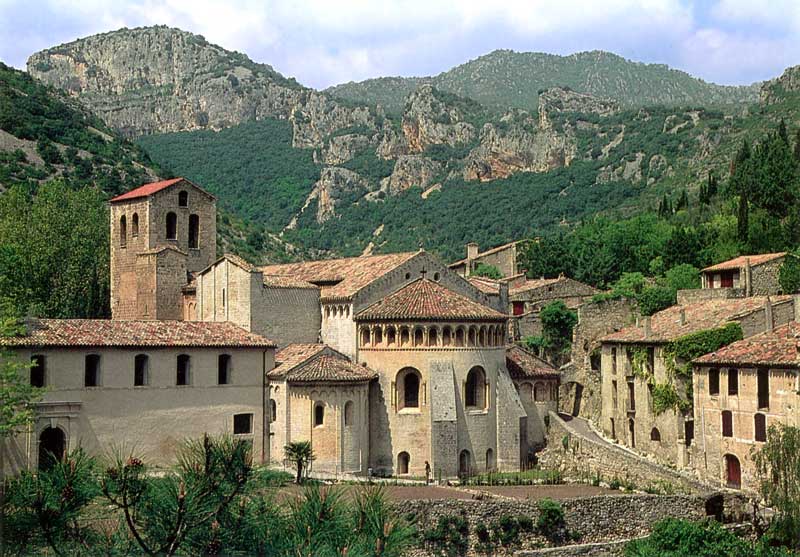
(161, 234)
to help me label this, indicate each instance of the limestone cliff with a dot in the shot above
(428, 119)
(775, 90)
(336, 186)
(411, 171)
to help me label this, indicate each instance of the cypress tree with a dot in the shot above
(743, 220)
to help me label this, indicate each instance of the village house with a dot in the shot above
(635, 363)
(138, 386)
(739, 392)
(746, 275)
(504, 258)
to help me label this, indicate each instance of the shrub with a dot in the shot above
(551, 520)
(450, 537)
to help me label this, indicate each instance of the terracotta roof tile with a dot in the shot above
(709, 314)
(741, 261)
(278, 281)
(532, 284)
(485, 285)
(147, 189)
(522, 364)
(426, 299)
(340, 278)
(119, 333)
(781, 347)
(310, 363)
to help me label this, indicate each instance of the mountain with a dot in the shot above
(504, 78)
(316, 174)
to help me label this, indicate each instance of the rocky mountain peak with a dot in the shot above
(775, 90)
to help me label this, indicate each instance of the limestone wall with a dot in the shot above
(150, 420)
(123, 255)
(764, 278)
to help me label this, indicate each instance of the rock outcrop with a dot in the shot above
(430, 120)
(775, 90)
(410, 171)
(563, 99)
(334, 187)
(342, 148)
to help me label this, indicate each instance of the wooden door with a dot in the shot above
(733, 472)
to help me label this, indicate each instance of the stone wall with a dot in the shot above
(694, 295)
(580, 393)
(764, 278)
(595, 519)
(584, 455)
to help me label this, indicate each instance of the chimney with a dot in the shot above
(748, 276)
(472, 250)
(683, 316)
(648, 330)
(768, 315)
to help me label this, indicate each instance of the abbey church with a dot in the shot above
(385, 363)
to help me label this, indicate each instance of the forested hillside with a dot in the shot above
(504, 78)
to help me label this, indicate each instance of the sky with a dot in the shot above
(325, 42)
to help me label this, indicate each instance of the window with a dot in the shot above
(242, 424)
(319, 414)
(194, 231)
(614, 394)
(655, 435)
(408, 381)
(632, 433)
(713, 382)
(91, 374)
(540, 392)
(475, 395)
(273, 411)
(763, 388)
(733, 382)
(688, 432)
(727, 423)
(38, 378)
(403, 460)
(223, 298)
(651, 359)
(141, 364)
(183, 199)
(594, 360)
(489, 460)
(135, 225)
(631, 397)
(517, 308)
(365, 336)
(760, 428)
(348, 413)
(123, 231)
(172, 226)
(183, 370)
(224, 369)
(418, 337)
(614, 360)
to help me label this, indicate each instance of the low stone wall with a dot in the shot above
(580, 456)
(594, 519)
(603, 549)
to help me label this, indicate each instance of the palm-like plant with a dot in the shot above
(301, 454)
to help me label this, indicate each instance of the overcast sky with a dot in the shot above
(324, 42)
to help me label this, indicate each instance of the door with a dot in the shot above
(464, 463)
(733, 472)
(726, 280)
(52, 445)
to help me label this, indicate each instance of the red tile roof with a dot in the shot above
(666, 325)
(119, 333)
(311, 363)
(426, 299)
(340, 279)
(522, 364)
(277, 281)
(741, 261)
(485, 285)
(147, 189)
(780, 348)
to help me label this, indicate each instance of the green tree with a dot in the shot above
(488, 271)
(17, 396)
(681, 538)
(301, 454)
(777, 465)
(558, 321)
(789, 274)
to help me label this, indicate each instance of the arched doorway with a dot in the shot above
(403, 460)
(733, 472)
(464, 463)
(489, 460)
(52, 445)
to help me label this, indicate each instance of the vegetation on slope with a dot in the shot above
(504, 78)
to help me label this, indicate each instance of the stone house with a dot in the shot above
(141, 386)
(635, 361)
(746, 275)
(503, 257)
(739, 391)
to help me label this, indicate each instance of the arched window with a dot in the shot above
(223, 369)
(472, 337)
(408, 382)
(377, 336)
(391, 336)
(475, 390)
(433, 336)
(91, 372)
(403, 460)
(182, 371)
(364, 336)
(655, 435)
(194, 231)
(540, 392)
(172, 226)
(526, 391)
(727, 423)
(123, 231)
(319, 414)
(348, 413)
(460, 337)
(482, 336)
(418, 337)
(447, 336)
(135, 225)
(273, 411)
(183, 199)
(405, 336)
(760, 423)
(141, 369)
(733, 471)
(489, 460)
